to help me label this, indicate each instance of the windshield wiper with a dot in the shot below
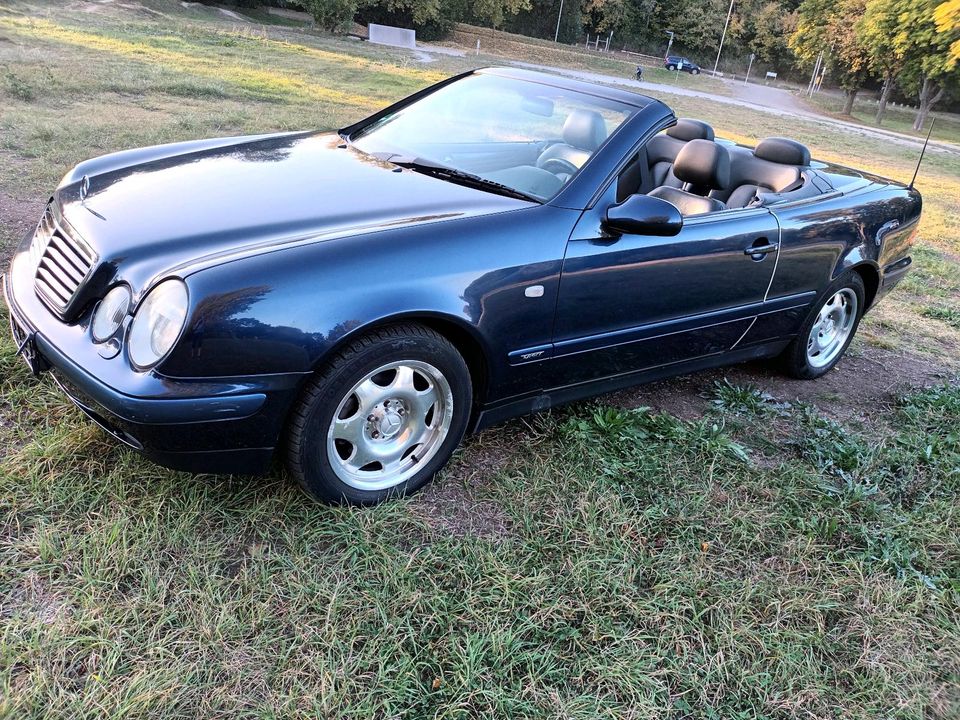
(460, 176)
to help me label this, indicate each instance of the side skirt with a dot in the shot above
(492, 414)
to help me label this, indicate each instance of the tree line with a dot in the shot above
(906, 49)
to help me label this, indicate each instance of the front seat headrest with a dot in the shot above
(783, 151)
(584, 129)
(688, 129)
(703, 164)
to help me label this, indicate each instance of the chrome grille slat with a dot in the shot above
(63, 262)
(46, 278)
(72, 252)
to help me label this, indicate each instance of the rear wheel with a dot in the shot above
(671, 67)
(828, 330)
(382, 418)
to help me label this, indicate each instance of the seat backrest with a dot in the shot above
(583, 132)
(663, 149)
(700, 164)
(773, 166)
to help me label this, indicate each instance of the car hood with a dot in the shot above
(145, 212)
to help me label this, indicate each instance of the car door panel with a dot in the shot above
(635, 302)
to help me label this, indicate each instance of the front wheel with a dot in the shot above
(694, 72)
(828, 329)
(382, 418)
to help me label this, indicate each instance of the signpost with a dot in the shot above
(753, 57)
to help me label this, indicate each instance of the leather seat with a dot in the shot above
(662, 150)
(700, 164)
(583, 132)
(773, 166)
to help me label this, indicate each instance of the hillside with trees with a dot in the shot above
(904, 50)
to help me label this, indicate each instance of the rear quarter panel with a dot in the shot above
(823, 238)
(870, 226)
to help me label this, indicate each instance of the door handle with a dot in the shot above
(760, 248)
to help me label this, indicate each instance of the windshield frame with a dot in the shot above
(632, 102)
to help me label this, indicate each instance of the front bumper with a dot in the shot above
(219, 425)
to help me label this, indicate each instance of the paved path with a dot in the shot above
(757, 97)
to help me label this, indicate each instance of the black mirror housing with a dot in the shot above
(644, 215)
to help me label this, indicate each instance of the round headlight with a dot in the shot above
(157, 323)
(110, 313)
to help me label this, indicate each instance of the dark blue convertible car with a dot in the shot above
(494, 245)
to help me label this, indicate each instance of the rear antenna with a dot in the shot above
(922, 151)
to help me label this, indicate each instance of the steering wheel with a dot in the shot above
(559, 166)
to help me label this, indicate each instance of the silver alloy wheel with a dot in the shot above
(829, 333)
(390, 423)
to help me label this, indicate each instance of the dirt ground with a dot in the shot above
(17, 215)
(861, 387)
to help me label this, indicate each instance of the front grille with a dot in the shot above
(62, 261)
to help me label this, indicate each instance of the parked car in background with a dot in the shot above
(674, 62)
(503, 242)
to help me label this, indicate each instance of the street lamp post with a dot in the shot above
(556, 35)
(723, 36)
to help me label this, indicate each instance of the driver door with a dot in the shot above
(636, 302)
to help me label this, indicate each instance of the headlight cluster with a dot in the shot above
(156, 325)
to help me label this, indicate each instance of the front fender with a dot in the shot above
(285, 311)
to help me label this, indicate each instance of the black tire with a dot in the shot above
(307, 448)
(794, 359)
(671, 67)
(694, 72)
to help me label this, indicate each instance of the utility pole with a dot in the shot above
(747, 77)
(723, 36)
(669, 43)
(813, 78)
(556, 35)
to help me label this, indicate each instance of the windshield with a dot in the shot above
(514, 134)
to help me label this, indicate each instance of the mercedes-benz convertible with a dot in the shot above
(502, 242)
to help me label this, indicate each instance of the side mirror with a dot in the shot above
(644, 215)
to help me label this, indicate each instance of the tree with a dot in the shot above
(764, 27)
(420, 11)
(331, 14)
(929, 67)
(947, 17)
(832, 25)
(496, 11)
(605, 15)
(878, 29)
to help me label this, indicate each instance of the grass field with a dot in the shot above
(505, 46)
(899, 118)
(729, 545)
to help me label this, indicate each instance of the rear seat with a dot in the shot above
(662, 150)
(773, 166)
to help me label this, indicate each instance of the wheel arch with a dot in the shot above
(463, 336)
(869, 273)
(871, 282)
(858, 261)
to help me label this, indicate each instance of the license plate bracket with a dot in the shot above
(27, 348)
